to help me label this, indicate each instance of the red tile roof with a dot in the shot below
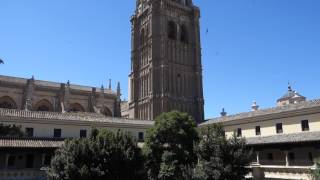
(30, 142)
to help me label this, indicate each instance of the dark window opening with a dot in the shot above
(142, 37)
(258, 130)
(83, 133)
(43, 108)
(29, 132)
(270, 156)
(279, 128)
(11, 161)
(305, 125)
(57, 133)
(47, 160)
(239, 132)
(29, 161)
(292, 156)
(184, 34)
(6, 105)
(172, 30)
(141, 136)
(310, 156)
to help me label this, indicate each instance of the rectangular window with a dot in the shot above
(305, 125)
(29, 161)
(57, 133)
(258, 130)
(141, 136)
(239, 132)
(279, 128)
(29, 132)
(83, 133)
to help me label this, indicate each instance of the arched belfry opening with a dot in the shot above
(172, 30)
(43, 105)
(7, 102)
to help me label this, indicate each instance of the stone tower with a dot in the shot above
(166, 70)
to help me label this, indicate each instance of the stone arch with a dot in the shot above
(43, 105)
(7, 102)
(76, 107)
(106, 111)
(172, 30)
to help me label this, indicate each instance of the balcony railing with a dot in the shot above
(22, 174)
(280, 172)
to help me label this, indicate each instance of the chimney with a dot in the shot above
(254, 106)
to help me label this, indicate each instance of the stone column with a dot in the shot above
(258, 157)
(6, 161)
(287, 158)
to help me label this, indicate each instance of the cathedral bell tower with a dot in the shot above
(166, 70)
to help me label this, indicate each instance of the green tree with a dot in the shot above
(10, 131)
(316, 172)
(221, 158)
(107, 155)
(170, 147)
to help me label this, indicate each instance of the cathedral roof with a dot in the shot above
(49, 84)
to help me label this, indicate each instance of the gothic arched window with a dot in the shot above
(142, 37)
(172, 30)
(184, 34)
(106, 111)
(7, 102)
(76, 107)
(43, 105)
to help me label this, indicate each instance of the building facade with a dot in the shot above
(37, 95)
(166, 69)
(285, 139)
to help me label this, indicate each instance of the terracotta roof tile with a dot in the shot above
(30, 142)
(285, 138)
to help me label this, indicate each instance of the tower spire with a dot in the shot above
(118, 90)
(109, 83)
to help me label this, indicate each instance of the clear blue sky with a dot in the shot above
(252, 50)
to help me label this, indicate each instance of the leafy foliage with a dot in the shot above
(106, 155)
(170, 147)
(10, 131)
(316, 172)
(221, 158)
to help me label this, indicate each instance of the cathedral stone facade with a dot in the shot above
(166, 69)
(36, 95)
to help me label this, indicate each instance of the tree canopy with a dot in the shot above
(106, 155)
(221, 158)
(10, 131)
(170, 147)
